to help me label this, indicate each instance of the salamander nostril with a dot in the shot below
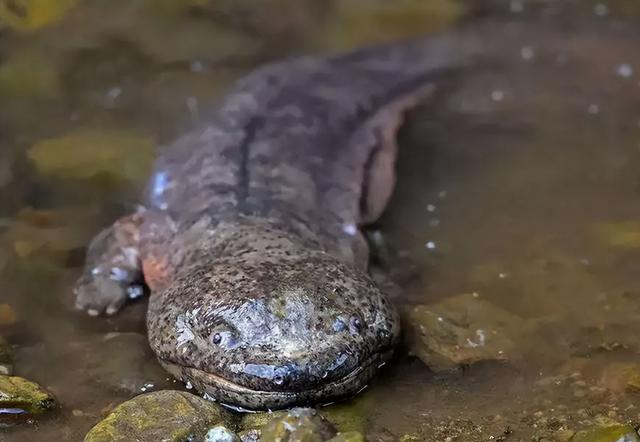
(217, 338)
(355, 324)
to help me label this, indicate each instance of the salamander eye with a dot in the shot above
(355, 325)
(225, 338)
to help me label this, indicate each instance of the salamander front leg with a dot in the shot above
(112, 272)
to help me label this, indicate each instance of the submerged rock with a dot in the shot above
(255, 421)
(621, 376)
(461, 330)
(623, 235)
(86, 153)
(51, 234)
(608, 433)
(166, 415)
(220, 433)
(352, 415)
(357, 22)
(20, 396)
(306, 424)
(298, 425)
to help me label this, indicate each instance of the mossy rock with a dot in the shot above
(166, 415)
(352, 415)
(348, 417)
(19, 393)
(255, 421)
(298, 425)
(610, 433)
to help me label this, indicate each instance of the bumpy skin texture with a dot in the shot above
(249, 241)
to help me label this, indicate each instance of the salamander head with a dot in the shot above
(296, 328)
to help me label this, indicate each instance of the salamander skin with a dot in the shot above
(249, 239)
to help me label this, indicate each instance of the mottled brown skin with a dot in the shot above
(249, 241)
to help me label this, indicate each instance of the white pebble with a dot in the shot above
(430, 245)
(431, 208)
(593, 109)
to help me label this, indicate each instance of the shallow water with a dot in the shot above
(517, 183)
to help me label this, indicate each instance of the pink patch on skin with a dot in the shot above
(156, 271)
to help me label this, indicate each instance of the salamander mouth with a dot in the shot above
(243, 398)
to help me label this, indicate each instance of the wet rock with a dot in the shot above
(86, 153)
(18, 395)
(252, 435)
(163, 415)
(252, 421)
(461, 330)
(298, 425)
(124, 363)
(220, 433)
(351, 415)
(6, 366)
(349, 418)
(610, 433)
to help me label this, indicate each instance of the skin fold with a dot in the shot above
(249, 240)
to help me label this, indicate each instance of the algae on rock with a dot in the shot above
(166, 415)
(298, 425)
(608, 433)
(21, 394)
